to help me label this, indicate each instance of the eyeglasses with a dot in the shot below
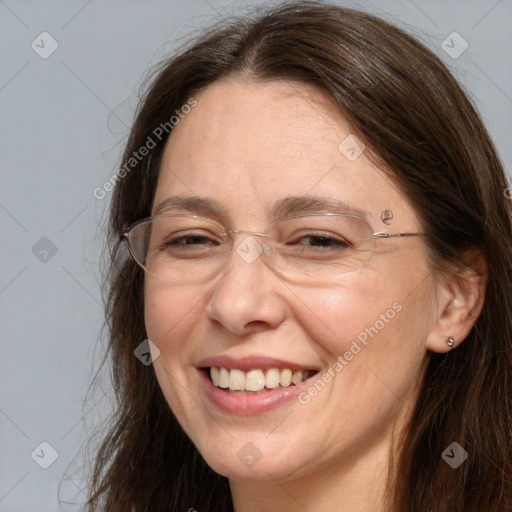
(312, 249)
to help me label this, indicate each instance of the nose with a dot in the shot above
(248, 296)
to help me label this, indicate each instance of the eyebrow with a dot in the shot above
(282, 208)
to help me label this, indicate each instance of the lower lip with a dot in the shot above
(244, 405)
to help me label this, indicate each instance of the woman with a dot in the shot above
(320, 255)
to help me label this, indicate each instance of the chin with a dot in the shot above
(253, 456)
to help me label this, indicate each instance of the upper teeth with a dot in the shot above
(256, 380)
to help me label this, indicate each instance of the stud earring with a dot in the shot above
(450, 341)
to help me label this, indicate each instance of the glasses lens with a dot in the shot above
(180, 248)
(316, 249)
(307, 250)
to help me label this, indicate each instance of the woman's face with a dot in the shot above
(246, 147)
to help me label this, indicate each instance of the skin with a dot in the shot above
(247, 145)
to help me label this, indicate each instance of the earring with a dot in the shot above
(450, 341)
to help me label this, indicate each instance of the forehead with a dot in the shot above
(249, 144)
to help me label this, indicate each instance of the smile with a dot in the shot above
(254, 381)
(252, 384)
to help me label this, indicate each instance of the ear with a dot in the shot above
(460, 298)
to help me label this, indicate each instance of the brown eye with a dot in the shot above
(321, 241)
(185, 240)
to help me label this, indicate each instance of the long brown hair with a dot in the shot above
(420, 125)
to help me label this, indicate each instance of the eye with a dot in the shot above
(189, 242)
(191, 239)
(319, 240)
(325, 241)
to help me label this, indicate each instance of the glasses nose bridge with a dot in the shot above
(266, 240)
(244, 232)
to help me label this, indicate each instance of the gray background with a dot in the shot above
(63, 122)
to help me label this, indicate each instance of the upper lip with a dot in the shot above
(250, 363)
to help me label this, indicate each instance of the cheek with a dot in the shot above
(375, 325)
(353, 310)
(169, 313)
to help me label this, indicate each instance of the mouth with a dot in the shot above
(255, 381)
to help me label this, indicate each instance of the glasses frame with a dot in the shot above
(228, 232)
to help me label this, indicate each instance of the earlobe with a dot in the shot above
(459, 303)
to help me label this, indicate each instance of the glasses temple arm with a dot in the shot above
(395, 235)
